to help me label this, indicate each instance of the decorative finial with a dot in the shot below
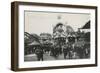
(59, 17)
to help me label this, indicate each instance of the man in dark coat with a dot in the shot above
(80, 51)
(70, 51)
(39, 54)
(52, 51)
(65, 51)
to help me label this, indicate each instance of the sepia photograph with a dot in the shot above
(56, 36)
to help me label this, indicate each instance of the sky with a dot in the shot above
(43, 22)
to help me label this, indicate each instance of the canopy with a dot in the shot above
(34, 43)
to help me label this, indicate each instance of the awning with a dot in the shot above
(34, 43)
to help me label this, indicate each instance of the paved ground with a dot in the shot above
(32, 57)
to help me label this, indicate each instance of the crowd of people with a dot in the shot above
(69, 51)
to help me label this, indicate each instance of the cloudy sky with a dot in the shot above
(43, 22)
